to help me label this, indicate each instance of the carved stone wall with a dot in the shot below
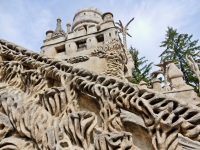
(41, 108)
(91, 30)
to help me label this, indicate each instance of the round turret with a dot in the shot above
(108, 16)
(86, 17)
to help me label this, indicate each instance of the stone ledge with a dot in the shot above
(188, 144)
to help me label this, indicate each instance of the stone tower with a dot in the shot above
(89, 31)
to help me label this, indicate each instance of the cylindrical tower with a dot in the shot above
(86, 17)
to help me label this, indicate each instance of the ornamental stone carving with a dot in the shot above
(61, 101)
(41, 106)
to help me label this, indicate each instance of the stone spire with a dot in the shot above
(59, 31)
(174, 72)
(175, 77)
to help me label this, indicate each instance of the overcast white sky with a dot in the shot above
(25, 22)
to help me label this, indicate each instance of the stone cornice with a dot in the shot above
(85, 36)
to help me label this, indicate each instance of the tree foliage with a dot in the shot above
(142, 68)
(177, 46)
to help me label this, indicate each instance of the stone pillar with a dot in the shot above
(68, 27)
(183, 91)
(156, 84)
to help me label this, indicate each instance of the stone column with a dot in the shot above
(68, 27)
(156, 84)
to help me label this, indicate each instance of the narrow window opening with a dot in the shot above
(81, 45)
(110, 34)
(60, 49)
(100, 38)
(85, 26)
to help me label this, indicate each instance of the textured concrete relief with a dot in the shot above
(115, 56)
(39, 104)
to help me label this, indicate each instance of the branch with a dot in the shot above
(128, 34)
(119, 26)
(121, 23)
(119, 29)
(193, 65)
(129, 22)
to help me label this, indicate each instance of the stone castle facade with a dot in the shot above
(75, 95)
(90, 33)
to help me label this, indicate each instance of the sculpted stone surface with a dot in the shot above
(47, 103)
(178, 88)
(47, 110)
(59, 31)
(92, 32)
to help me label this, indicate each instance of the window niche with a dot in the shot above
(60, 50)
(81, 45)
(100, 39)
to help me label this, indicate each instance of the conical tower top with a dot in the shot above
(59, 31)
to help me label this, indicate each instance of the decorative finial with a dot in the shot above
(59, 31)
(58, 19)
(68, 27)
(174, 72)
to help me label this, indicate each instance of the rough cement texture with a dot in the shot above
(75, 95)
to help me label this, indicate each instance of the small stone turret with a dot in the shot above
(175, 76)
(183, 91)
(108, 16)
(156, 85)
(59, 31)
(49, 34)
(68, 27)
